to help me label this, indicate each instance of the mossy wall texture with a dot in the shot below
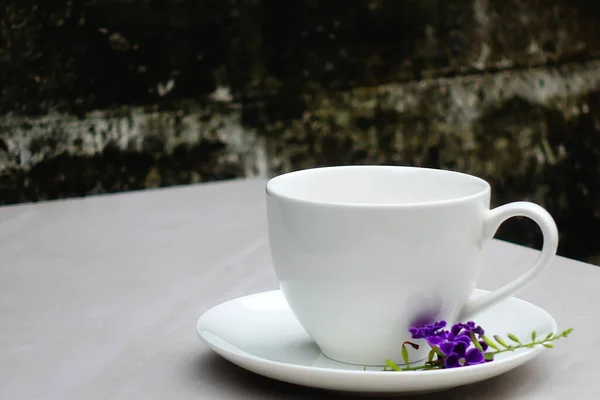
(114, 95)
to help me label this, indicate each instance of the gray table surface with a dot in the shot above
(99, 298)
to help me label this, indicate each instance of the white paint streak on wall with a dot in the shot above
(127, 130)
(543, 86)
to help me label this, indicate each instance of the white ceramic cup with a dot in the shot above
(363, 253)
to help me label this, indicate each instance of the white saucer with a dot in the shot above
(260, 333)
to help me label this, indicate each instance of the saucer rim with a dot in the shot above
(511, 358)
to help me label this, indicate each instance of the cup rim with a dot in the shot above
(273, 192)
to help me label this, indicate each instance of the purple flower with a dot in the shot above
(466, 329)
(422, 332)
(433, 333)
(455, 344)
(483, 345)
(461, 356)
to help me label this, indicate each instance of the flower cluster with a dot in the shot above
(464, 344)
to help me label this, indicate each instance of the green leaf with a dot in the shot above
(437, 351)
(490, 343)
(548, 345)
(566, 332)
(548, 336)
(533, 336)
(500, 341)
(392, 365)
(513, 338)
(405, 354)
(476, 342)
(430, 356)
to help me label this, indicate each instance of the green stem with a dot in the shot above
(429, 365)
(529, 345)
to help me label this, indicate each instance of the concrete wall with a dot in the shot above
(116, 95)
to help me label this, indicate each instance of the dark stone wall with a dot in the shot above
(78, 56)
(113, 95)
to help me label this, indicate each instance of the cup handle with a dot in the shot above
(493, 220)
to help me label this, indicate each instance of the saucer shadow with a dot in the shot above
(226, 377)
(210, 367)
